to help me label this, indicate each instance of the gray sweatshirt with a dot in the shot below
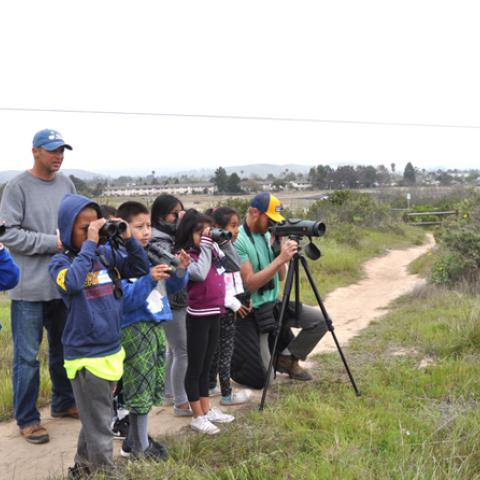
(29, 209)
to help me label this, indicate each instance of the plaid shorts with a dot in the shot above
(144, 367)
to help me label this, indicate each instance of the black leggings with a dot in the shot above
(223, 355)
(202, 339)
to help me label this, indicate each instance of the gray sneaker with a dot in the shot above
(182, 412)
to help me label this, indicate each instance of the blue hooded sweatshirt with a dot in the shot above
(146, 300)
(9, 273)
(92, 328)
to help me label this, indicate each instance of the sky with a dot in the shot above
(190, 63)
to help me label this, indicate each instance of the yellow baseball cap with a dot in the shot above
(269, 205)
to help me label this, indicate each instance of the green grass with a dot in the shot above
(6, 361)
(409, 423)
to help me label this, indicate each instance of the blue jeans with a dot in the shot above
(28, 320)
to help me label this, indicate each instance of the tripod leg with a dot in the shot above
(292, 267)
(328, 320)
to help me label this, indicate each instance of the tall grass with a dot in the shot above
(409, 423)
(6, 364)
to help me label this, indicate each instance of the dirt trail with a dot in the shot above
(351, 309)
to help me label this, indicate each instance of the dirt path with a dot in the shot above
(351, 309)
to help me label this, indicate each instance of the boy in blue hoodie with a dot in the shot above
(87, 274)
(145, 308)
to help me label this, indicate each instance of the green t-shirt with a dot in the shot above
(259, 253)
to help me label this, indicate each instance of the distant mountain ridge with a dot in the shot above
(7, 175)
(257, 169)
(261, 170)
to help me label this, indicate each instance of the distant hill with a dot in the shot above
(257, 169)
(7, 175)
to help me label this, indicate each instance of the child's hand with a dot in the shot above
(59, 242)
(160, 272)
(94, 228)
(243, 311)
(184, 258)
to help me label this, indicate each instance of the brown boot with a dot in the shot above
(289, 364)
(35, 433)
(284, 363)
(298, 373)
(71, 412)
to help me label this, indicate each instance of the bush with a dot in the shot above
(350, 207)
(460, 241)
(347, 234)
(448, 269)
(239, 204)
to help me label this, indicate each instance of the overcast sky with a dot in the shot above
(360, 61)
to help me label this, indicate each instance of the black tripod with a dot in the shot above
(294, 274)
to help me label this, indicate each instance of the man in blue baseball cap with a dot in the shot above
(48, 148)
(29, 208)
(49, 140)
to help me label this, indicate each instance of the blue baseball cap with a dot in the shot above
(49, 140)
(269, 205)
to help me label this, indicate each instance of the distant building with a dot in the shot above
(155, 190)
(287, 185)
(299, 185)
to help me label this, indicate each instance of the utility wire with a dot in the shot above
(239, 117)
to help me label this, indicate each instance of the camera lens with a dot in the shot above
(220, 235)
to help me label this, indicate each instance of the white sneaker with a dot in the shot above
(203, 425)
(214, 392)
(215, 415)
(236, 398)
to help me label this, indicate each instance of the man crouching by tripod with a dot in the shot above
(261, 272)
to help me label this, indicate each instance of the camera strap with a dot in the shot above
(250, 236)
(113, 273)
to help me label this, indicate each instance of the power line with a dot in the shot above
(239, 117)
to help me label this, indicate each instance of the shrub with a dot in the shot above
(460, 241)
(239, 204)
(350, 207)
(347, 234)
(448, 269)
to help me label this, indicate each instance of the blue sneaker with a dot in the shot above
(236, 398)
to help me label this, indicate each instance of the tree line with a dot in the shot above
(322, 177)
